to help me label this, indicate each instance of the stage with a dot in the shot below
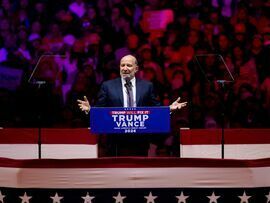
(149, 180)
(70, 171)
(22, 143)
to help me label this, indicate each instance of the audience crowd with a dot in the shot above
(75, 45)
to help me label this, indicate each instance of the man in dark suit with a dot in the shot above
(128, 91)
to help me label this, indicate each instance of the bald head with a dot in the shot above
(131, 58)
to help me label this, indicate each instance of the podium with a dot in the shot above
(114, 120)
(129, 130)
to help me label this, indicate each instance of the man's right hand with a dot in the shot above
(84, 105)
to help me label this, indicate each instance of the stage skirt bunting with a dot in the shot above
(130, 180)
(239, 143)
(57, 143)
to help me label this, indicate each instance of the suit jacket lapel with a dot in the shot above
(138, 95)
(119, 90)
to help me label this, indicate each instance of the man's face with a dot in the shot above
(128, 67)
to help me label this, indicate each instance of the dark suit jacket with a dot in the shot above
(111, 94)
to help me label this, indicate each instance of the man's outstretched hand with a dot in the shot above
(177, 105)
(84, 105)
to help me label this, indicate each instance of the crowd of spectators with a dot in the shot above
(75, 45)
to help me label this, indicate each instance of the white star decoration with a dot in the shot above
(244, 198)
(182, 198)
(119, 198)
(56, 198)
(88, 198)
(150, 198)
(25, 198)
(268, 197)
(213, 198)
(2, 197)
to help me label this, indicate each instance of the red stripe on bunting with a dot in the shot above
(68, 136)
(232, 136)
(133, 162)
(48, 136)
(18, 136)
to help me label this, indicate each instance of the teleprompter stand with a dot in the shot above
(36, 79)
(219, 74)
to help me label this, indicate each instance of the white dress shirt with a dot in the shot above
(125, 97)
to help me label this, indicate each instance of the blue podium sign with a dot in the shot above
(130, 120)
